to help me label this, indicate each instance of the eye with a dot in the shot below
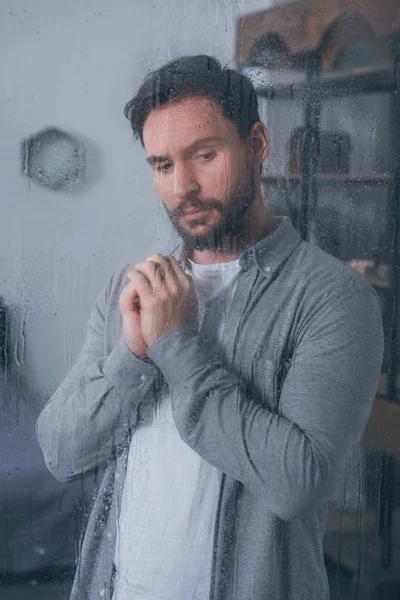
(163, 168)
(206, 155)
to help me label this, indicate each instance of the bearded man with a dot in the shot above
(219, 388)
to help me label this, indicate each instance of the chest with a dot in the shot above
(259, 335)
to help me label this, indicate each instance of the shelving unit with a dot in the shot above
(375, 179)
(310, 35)
(316, 87)
(311, 92)
(345, 83)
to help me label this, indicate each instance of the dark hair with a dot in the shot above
(198, 76)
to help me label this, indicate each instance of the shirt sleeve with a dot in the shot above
(289, 456)
(93, 408)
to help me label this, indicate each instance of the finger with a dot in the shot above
(169, 275)
(161, 263)
(157, 258)
(177, 280)
(153, 272)
(142, 286)
(129, 301)
(177, 269)
(171, 279)
(140, 266)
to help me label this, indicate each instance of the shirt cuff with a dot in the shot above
(122, 365)
(178, 353)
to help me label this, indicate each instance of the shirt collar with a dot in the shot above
(269, 253)
(272, 251)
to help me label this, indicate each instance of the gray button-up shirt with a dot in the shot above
(277, 412)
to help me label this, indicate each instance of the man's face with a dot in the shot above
(202, 170)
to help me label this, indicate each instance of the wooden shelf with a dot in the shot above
(352, 178)
(345, 83)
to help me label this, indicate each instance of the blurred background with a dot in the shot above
(77, 202)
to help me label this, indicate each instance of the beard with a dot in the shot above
(229, 224)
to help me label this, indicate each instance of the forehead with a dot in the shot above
(178, 125)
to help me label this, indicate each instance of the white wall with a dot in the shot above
(74, 65)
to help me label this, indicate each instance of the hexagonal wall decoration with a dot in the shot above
(54, 159)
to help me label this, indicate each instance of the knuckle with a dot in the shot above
(163, 294)
(155, 257)
(136, 272)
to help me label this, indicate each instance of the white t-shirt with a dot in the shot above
(167, 518)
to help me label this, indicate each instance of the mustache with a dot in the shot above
(195, 203)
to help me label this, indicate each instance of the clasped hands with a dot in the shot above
(159, 297)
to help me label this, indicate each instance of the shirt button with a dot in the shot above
(143, 378)
(268, 269)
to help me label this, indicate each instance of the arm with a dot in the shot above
(92, 410)
(288, 457)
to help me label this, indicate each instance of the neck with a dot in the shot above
(257, 224)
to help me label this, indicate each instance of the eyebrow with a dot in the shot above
(196, 144)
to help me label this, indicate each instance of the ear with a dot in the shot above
(259, 142)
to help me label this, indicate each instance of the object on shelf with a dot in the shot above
(300, 28)
(376, 271)
(330, 152)
(271, 52)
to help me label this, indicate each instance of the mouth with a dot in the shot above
(195, 213)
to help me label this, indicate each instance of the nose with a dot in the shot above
(185, 182)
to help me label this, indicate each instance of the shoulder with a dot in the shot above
(328, 291)
(320, 273)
